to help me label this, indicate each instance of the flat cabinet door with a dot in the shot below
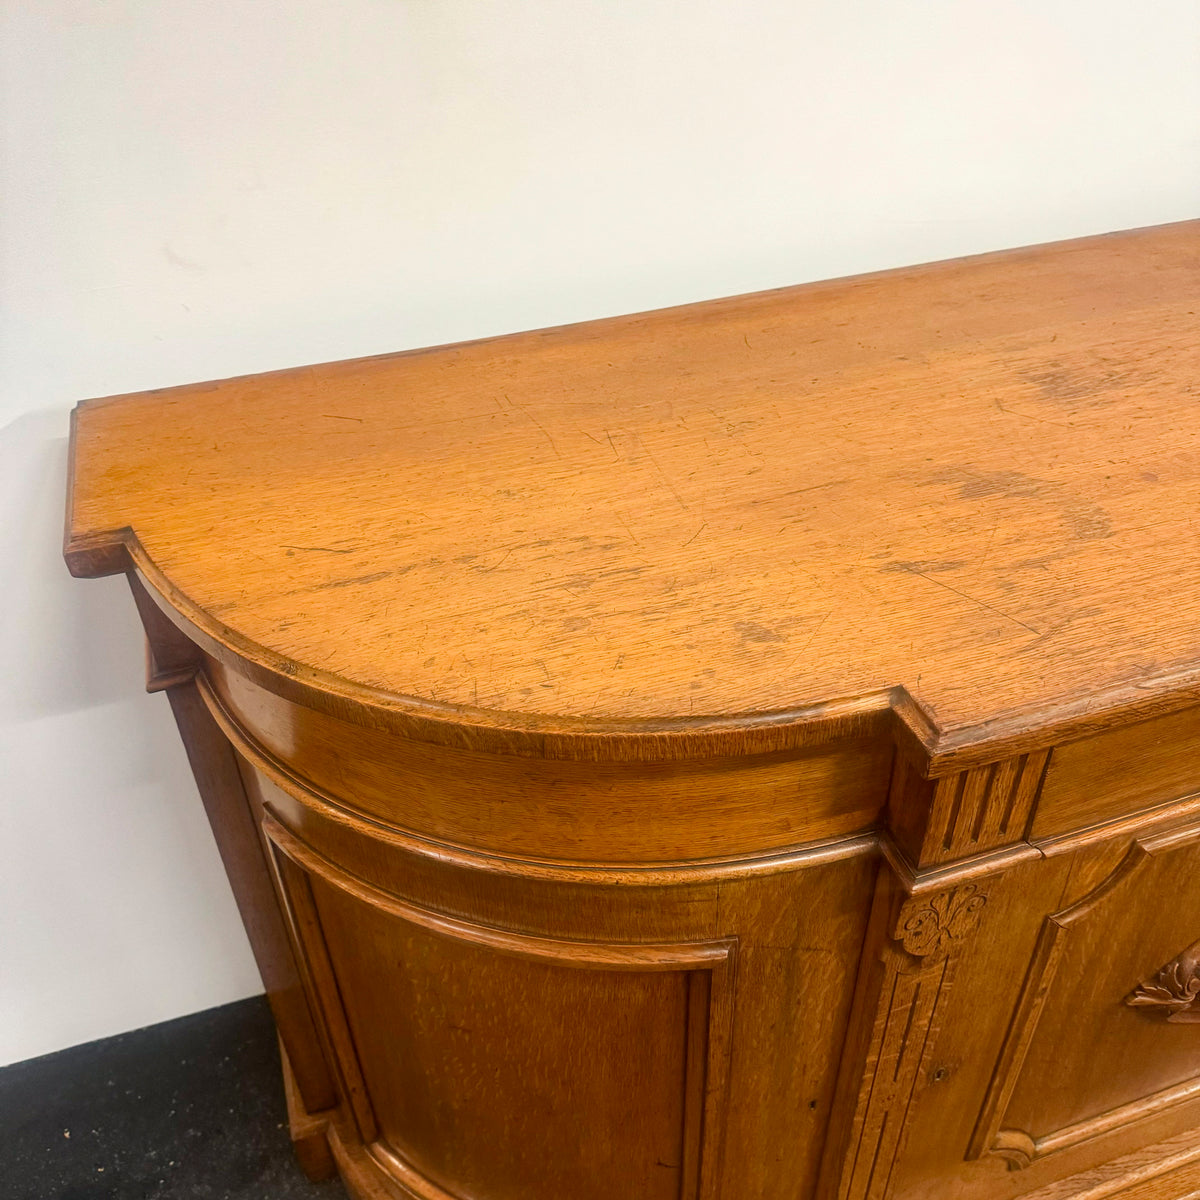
(480, 1061)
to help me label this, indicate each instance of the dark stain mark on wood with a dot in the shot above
(1088, 521)
(1060, 382)
(751, 631)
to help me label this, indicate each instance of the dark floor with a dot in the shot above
(188, 1109)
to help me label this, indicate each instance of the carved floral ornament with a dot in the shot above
(1174, 991)
(931, 927)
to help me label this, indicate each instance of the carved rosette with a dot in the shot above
(1172, 992)
(929, 928)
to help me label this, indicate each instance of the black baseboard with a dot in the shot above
(187, 1110)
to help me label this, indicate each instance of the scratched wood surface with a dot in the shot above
(734, 752)
(976, 480)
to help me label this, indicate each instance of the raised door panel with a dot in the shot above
(1092, 1048)
(483, 1062)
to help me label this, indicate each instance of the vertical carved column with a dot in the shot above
(906, 972)
(928, 902)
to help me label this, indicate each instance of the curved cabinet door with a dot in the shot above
(482, 1062)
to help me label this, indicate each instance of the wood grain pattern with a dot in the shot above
(1141, 764)
(743, 752)
(1166, 1171)
(969, 813)
(447, 974)
(234, 828)
(968, 481)
(904, 975)
(1074, 1021)
(564, 809)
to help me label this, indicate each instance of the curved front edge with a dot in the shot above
(577, 813)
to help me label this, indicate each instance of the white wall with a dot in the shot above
(203, 188)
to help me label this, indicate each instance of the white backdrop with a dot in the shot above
(211, 187)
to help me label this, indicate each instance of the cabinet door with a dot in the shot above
(1101, 1037)
(481, 1061)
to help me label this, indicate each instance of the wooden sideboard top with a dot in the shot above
(966, 492)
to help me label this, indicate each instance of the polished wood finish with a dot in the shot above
(742, 752)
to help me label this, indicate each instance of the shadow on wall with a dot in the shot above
(114, 909)
(65, 644)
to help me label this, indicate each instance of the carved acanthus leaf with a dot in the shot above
(1173, 991)
(930, 926)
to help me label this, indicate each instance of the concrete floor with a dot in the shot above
(188, 1110)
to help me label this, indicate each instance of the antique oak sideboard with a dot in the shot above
(749, 750)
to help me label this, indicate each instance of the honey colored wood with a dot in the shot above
(743, 752)
(1033, 1109)
(309, 1134)
(217, 776)
(590, 812)
(1141, 763)
(1168, 1171)
(970, 481)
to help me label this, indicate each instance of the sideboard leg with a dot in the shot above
(310, 1138)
